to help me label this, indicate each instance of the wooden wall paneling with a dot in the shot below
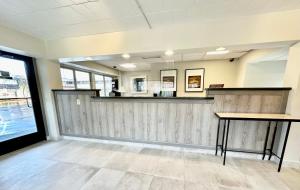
(74, 111)
(118, 118)
(197, 131)
(209, 138)
(152, 110)
(145, 120)
(180, 125)
(60, 114)
(127, 120)
(171, 122)
(110, 119)
(134, 129)
(96, 126)
(188, 123)
(240, 130)
(88, 111)
(66, 100)
(161, 130)
(83, 115)
(142, 121)
(102, 110)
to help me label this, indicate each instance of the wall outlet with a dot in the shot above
(78, 101)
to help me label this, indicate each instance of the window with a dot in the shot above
(99, 84)
(108, 85)
(82, 80)
(75, 79)
(67, 77)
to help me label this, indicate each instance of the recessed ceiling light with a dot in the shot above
(125, 55)
(128, 65)
(220, 49)
(169, 53)
(217, 52)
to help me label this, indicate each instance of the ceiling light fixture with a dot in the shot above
(125, 55)
(169, 53)
(221, 49)
(217, 52)
(128, 65)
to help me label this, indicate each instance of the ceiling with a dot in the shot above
(49, 19)
(143, 60)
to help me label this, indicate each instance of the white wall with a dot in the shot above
(98, 67)
(254, 57)
(265, 74)
(292, 79)
(216, 72)
(18, 42)
(48, 71)
(49, 78)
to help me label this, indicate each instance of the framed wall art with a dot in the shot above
(194, 80)
(168, 80)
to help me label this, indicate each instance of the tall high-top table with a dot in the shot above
(227, 117)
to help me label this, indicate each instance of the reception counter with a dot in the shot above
(181, 121)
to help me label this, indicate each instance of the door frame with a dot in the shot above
(26, 140)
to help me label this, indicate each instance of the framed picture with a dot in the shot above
(194, 80)
(168, 80)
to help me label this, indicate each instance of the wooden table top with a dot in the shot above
(257, 116)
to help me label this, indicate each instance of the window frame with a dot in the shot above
(91, 74)
(104, 83)
(74, 77)
(90, 79)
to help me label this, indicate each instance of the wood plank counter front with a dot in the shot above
(176, 121)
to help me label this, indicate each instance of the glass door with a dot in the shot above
(21, 122)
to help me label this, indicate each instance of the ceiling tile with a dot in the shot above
(46, 16)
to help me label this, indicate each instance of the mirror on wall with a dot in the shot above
(139, 84)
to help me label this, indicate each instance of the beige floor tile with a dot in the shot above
(144, 164)
(159, 183)
(199, 186)
(19, 170)
(104, 179)
(121, 161)
(87, 165)
(134, 181)
(170, 168)
(291, 177)
(58, 176)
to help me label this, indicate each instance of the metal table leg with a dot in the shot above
(284, 145)
(222, 147)
(217, 141)
(266, 140)
(227, 131)
(273, 140)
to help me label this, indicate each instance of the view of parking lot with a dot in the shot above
(16, 112)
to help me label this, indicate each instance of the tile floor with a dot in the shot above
(82, 165)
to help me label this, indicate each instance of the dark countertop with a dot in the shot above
(252, 88)
(96, 91)
(155, 98)
(75, 90)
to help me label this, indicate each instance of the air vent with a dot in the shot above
(152, 57)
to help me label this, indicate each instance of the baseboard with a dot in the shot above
(291, 164)
(165, 146)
